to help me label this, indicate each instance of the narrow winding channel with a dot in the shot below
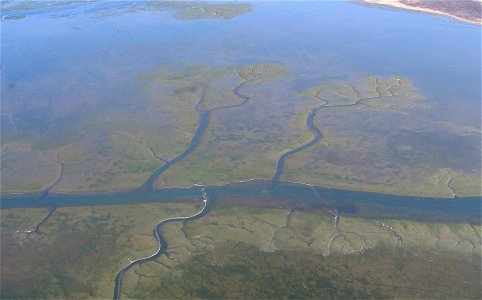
(36, 229)
(204, 115)
(161, 242)
(317, 135)
(46, 190)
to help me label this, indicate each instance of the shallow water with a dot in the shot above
(92, 57)
(331, 39)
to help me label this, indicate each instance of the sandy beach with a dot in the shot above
(460, 10)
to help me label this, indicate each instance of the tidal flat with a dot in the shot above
(108, 117)
(215, 126)
(339, 145)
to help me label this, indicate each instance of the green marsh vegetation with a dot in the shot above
(80, 251)
(187, 10)
(217, 256)
(202, 10)
(29, 5)
(245, 142)
(372, 146)
(111, 150)
(117, 92)
(239, 271)
(376, 146)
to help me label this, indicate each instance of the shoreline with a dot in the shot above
(398, 5)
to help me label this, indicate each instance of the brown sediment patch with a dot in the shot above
(467, 11)
(243, 270)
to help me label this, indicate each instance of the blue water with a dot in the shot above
(101, 49)
(325, 39)
(264, 194)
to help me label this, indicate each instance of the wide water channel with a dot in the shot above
(264, 194)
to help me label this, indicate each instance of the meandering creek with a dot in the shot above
(256, 39)
(161, 242)
(317, 135)
(204, 116)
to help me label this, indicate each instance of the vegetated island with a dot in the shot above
(468, 11)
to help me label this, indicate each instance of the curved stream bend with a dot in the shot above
(161, 242)
(317, 135)
(49, 187)
(204, 115)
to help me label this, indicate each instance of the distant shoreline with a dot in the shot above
(406, 6)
